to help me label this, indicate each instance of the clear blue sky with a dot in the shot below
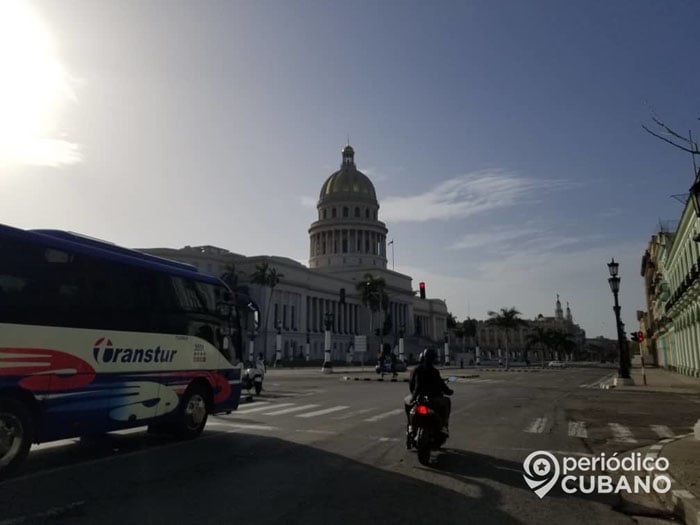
(503, 137)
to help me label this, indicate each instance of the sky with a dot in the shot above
(503, 138)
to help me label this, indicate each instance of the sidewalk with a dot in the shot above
(661, 380)
(683, 456)
(682, 452)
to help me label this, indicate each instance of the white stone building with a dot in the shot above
(347, 241)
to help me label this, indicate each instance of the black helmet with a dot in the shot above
(430, 356)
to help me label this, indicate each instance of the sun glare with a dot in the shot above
(33, 85)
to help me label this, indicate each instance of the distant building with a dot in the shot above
(491, 339)
(346, 241)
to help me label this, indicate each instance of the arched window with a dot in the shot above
(325, 213)
(334, 213)
(366, 213)
(357, 212)
(345, 211)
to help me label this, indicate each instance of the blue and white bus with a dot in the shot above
(95, 338)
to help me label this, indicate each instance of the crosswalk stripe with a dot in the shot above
(537, 426)
(288, 410)
(384, 415)
(621, 433)
(324, 411)
(577, 429)
(662, 431)
(354, 413)
(261, 407)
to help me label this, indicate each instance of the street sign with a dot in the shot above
(360, 343)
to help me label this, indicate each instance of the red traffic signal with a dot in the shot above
(640, 336)
(422, 290)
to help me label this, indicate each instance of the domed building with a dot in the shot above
(347, 241)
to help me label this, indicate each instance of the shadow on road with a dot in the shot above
(223, 477)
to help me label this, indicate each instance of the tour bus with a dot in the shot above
(96, 338)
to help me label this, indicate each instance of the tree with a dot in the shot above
(507, 319)
(266, 276)
(679, 141)
(540, 336)
(561, 341)
(373, 296)
(451, 321)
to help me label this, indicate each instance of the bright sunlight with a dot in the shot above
(33, 87)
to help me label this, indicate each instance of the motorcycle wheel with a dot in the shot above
(258, 388)
(423, 446)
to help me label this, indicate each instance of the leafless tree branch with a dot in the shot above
(693, 151)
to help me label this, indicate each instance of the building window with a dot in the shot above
(345, 246)
(276, 316)
(345, 211)
(366, 213)
(284, 317)
(325, 213)
(334, 213)
(357, 212)
(292, 321)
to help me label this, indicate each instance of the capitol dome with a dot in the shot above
(348, 182)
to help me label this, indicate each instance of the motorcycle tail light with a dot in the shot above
(422, 410)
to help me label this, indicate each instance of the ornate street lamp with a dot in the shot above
(614, 282)
(402, 331)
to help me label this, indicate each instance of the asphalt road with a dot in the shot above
(320, 448)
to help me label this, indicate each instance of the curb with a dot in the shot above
(679, 500)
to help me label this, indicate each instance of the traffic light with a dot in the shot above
(640, 336)
(634, 336)
(422, 290)
(342, 296)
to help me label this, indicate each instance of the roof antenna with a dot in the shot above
(348, 139)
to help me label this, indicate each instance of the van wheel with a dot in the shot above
(16, 434)
(192, 412)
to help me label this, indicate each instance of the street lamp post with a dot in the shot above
(402, 329)
(328, 321)
(614, 281)
(447, 348)
(278, 344)
(251, 346)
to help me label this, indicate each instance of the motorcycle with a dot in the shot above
(425, 423)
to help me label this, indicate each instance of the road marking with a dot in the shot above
(259, 408)
(354, 413)
(621, 433)
(577, 429)
(323, 432)
(384, 415)
(682, 493)
(240, 426)
(383, 439)
(288, 410)
(324, 411)
(662, 431)
(537, 426)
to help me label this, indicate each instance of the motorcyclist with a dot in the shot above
(426, 380)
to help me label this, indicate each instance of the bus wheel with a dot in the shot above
(193, 412)
(16, 434)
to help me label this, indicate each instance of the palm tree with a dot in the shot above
(562, 341)
(373, 296)
(507, 319)
(469, 327)
(268, 277)
(540, 336)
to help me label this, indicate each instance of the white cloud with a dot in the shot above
(465, 196)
